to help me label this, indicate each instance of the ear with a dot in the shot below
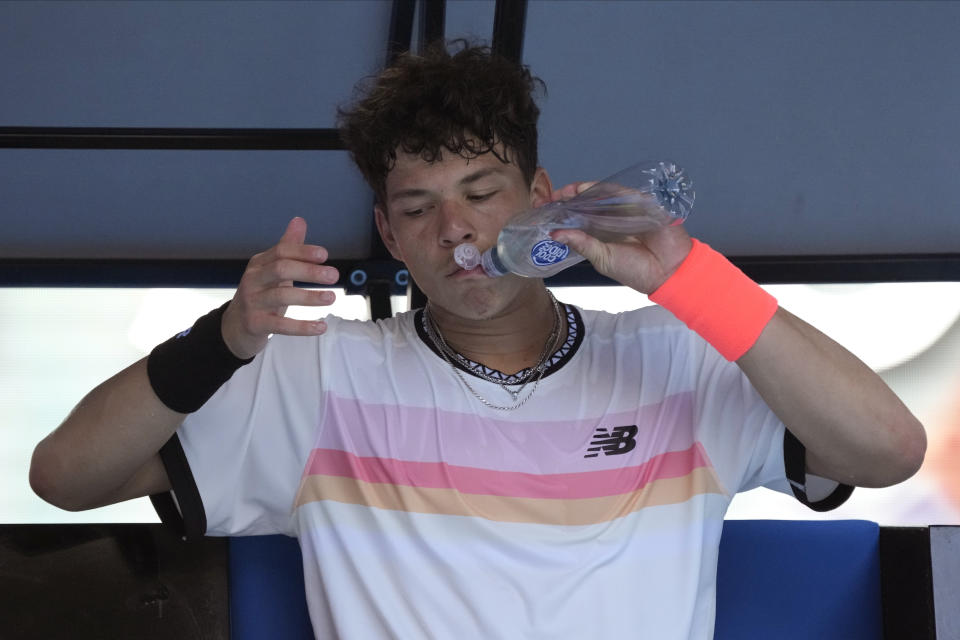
(540, 188)
(386, 232)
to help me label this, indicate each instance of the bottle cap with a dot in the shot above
(673, 189)
(467, 256)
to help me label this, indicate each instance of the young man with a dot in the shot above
(497, 464)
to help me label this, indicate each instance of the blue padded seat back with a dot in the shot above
(777, 580)
(797, 579)
(267, 598)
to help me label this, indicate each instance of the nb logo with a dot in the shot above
(613, 443)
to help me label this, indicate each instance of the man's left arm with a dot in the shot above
(854, 428)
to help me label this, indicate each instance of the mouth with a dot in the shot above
(452, 269)
(455, 270)
(459, 272)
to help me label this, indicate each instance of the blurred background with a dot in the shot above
(58, 343)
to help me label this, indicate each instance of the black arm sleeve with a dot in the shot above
(795, 461)
(181, 508)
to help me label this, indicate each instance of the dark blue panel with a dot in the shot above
(794, 580)
(267, 597)
(789, 580)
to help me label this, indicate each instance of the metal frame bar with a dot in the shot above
(401, 28)
(509, 25)
(134, 272)
(906, 583)
(432, 22)
(399, 39)
(170, 138)
(42, 272)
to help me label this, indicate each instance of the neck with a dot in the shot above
(510, 342)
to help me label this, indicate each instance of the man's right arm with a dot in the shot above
(107, 449)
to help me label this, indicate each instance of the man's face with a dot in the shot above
(433, 207)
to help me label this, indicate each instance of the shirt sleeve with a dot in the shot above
(235, 464)
(746, 442)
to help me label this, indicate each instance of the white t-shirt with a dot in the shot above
(592, 511)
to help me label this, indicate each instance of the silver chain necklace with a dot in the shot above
(521, 380)
(449, 354)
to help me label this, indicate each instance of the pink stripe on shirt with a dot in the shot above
(474, 480)
(548, 447)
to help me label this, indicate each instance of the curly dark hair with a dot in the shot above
(462, 98)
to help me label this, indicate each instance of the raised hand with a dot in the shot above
(642, 262)
(266, 290)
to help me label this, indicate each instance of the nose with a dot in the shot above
(456, 225)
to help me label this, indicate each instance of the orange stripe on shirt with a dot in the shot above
(555, 511)
(476, 480)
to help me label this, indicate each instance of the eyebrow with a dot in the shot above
(468, 179)
(479, 175)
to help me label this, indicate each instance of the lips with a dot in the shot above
(463, 273)
(455, 269)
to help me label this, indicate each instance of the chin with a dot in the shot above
(475, 303)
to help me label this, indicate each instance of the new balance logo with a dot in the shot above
(613, 443)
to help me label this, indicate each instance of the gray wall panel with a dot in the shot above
(809, 128)
(178, 204)
(470, 19)
(185, 64)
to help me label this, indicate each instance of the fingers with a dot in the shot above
(290, 296)
(291, 260)
(573, 189)
(293, 327)
(640, 262)
(584, 244)
(283, 271)
(258, 326)
(291, 246)
(253, 315)
(266, 290)
(295, 233)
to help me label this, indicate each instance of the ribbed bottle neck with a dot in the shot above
(491, 263)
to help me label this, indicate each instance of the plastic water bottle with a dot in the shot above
(642, 198)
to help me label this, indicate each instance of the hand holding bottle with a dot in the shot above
(642, 262)
(641, 199)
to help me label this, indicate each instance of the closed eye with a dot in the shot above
(480, 197)
(413, 213)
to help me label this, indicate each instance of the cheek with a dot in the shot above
(515, 207)
(411, 244)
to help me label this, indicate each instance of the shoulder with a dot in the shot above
(650, 331)
(395, 329)
(342, 331)
(651, 319)
(352, 340)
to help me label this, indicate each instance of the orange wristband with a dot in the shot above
(717, 300)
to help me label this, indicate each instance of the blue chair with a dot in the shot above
(778, 580)
(267, 597)
(787, 579)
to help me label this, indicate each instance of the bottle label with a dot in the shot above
(548, 252)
